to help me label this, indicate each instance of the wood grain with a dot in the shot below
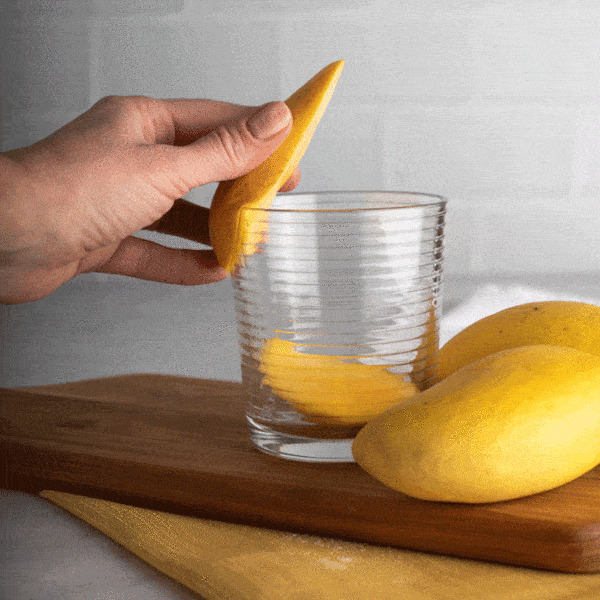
(181, 445)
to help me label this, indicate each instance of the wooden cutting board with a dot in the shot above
(180, 445)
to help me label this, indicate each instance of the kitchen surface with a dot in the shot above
(76, 334)
(493, 104)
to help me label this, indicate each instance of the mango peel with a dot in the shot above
(331, 390)
(229, 232)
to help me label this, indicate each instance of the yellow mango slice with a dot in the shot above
(334, 390)
(228, 231)
(556, 323)
(511, 424)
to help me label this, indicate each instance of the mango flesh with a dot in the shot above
(229, 232)
(514, 423)
(332, 390)
(557, 323)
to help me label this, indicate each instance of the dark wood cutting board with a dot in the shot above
(181, 445)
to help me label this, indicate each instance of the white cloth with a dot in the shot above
(492, 298)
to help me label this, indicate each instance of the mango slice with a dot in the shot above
(556, 323)
(228, 231)
(512, 424)
(332, 390)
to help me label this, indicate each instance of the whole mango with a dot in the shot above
(514, 423)
(556, 323)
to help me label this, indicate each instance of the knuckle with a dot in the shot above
(134, 115)
(233, 144)
(113, 102)
(123, 106)
(111, 99)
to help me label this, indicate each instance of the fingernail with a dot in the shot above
(269, 120)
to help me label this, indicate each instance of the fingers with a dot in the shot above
(292, 182)
(143, 259)
(147, 120)
(190, 221)
(222, 127)
(186, 220)
(233, 149)
(189, 120)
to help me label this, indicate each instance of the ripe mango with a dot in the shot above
(556, 323)
(514, 423)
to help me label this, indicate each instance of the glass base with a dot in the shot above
(298, 447)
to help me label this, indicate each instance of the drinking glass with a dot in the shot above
(338, 297)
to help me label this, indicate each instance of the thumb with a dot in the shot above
(237, 147)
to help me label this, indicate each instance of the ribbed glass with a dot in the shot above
(356, 276)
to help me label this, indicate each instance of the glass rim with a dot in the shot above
(436, 200)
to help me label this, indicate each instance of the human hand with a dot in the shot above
(70, 203)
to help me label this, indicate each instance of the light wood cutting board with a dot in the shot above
(180, 445)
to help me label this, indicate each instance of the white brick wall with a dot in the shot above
(495, 104)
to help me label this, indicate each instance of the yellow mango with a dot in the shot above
(556, 323)
(229, 232)
(333, 390)
(514, 423)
